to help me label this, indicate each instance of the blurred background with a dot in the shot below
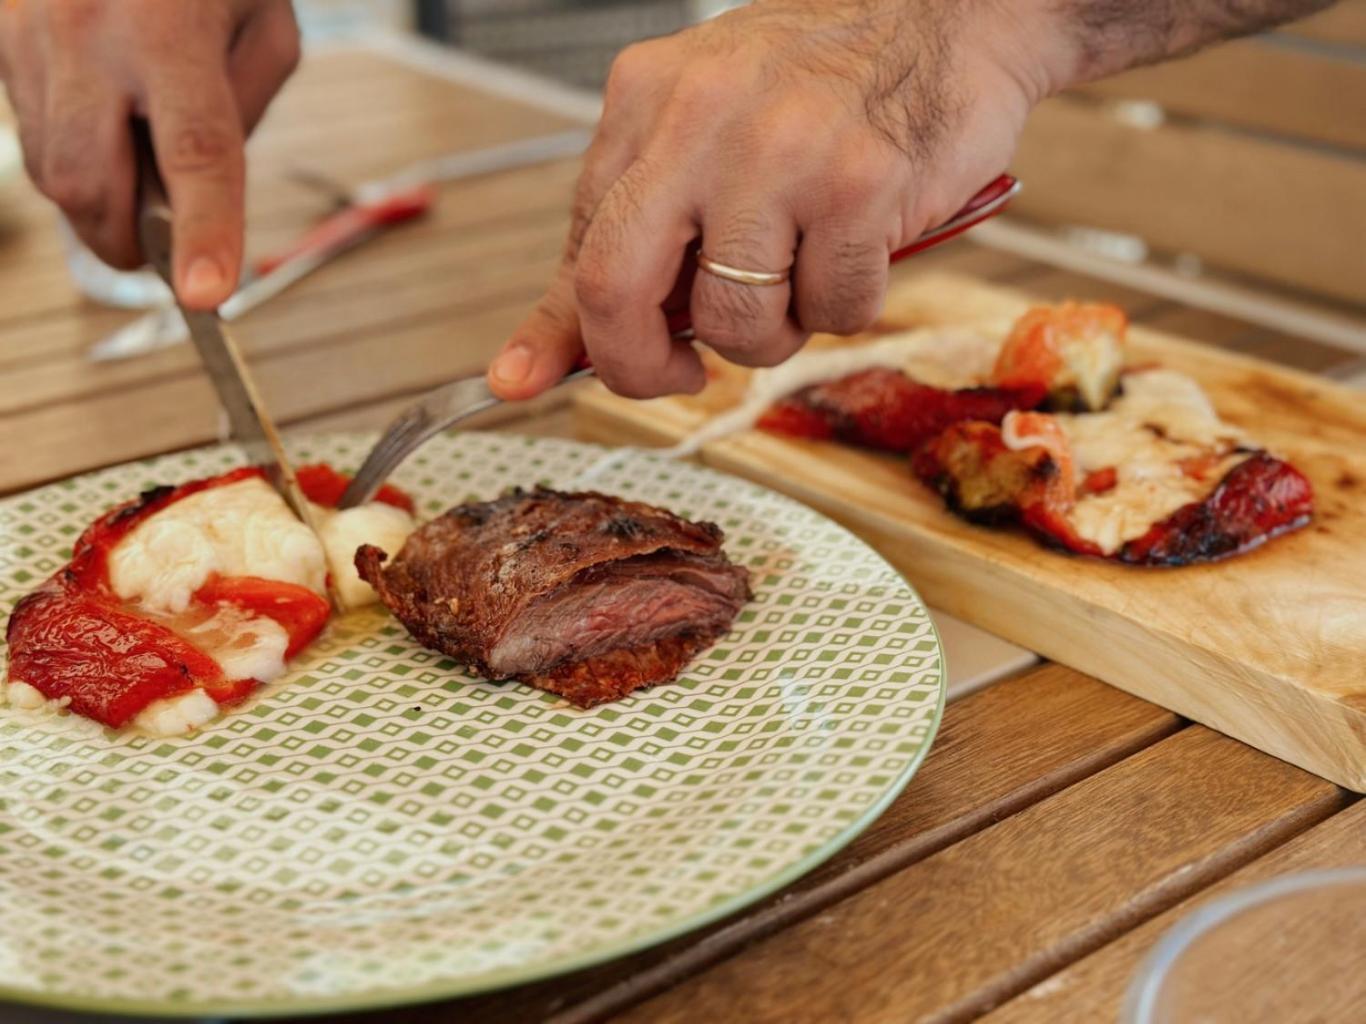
(570, 40)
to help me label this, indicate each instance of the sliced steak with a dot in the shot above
(585, 595)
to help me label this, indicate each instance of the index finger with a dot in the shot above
(631, 256)
(197, 133)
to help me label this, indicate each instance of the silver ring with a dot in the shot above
(752, 277)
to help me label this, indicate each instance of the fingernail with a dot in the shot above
(203, 282)
(514, 365)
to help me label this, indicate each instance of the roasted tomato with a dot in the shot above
(985, 480)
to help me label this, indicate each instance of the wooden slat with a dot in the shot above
(1295, 216)
(491, 216)
(58, 440)
(1061, 285)
(969, 927)
(1248, 339)
(322, 310)
(997, 751)
(1344, 22)
(1256, 84)
(1093, 988)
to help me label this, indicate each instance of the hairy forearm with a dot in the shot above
(1106, 36)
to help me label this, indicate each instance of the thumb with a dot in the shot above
(544, 347)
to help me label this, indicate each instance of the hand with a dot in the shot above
(821, 135)
(201, 72)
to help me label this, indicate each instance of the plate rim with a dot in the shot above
(511, 977)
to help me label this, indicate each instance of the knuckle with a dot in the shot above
(284, 45)
(73, 19)
(631, 70)
(861, 177)
(622, 375)
(728, 317)
(598, 289)
(702, 89)
(787, 134)
(755, 355)
(70, 187)
(199, 146)
(839, 307)
(841, 317)
(843, 292)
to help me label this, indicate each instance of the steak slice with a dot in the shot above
(584, 595)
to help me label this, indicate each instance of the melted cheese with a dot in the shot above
(1093, 364)
(245, 646)
(245, 529)
(177, 715)
(21, 695)
(1162, 418)
(343, 532)
(942, 357)
(239, 529)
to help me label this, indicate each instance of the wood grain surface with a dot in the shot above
(1093, 988)
(1292, 214)
(1257, 84)
(979, 922)
(1267, 647)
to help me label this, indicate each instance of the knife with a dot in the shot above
(249, 423)
(365, 211)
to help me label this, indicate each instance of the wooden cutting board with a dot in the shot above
(1269, 647)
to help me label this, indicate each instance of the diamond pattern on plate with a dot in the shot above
(381, 825)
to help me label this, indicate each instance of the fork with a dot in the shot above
(447, 405)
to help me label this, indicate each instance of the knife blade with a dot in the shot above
(249, 423)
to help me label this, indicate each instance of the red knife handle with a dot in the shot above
(986, 203)
(347, 225)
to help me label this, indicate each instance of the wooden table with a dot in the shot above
(1058, 827)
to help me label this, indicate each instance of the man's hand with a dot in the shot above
(200, 71)
(818, 135)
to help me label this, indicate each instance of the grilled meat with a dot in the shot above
(584, 595)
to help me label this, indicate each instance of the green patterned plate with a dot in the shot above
(382, 828)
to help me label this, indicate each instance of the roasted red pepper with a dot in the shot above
(1257, 499)
(323, 485)
(73, 637)
(68, 643)
(299, 611)
(885, 409)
